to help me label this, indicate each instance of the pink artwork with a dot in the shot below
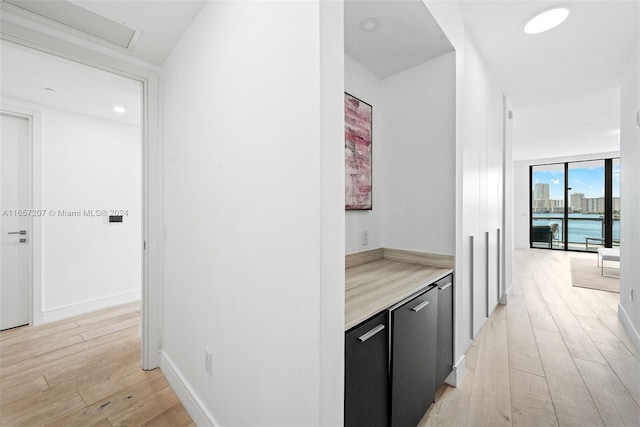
(357, 150)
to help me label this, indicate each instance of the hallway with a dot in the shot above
(555, 355)
(83, 371)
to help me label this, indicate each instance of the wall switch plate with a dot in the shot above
(208, 362)
(365, 238)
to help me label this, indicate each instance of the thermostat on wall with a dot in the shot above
(115, 218)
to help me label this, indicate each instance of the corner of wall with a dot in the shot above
(188, 397)
(629, 326)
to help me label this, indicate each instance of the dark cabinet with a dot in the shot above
(396, 360)
(366, 373)
(413, 358)
(444, 358)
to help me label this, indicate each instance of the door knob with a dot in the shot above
(21, 232)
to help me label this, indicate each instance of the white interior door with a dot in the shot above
(15, 222)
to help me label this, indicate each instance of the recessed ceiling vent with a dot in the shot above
(81, 19)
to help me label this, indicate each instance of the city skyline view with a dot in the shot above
(588, 181)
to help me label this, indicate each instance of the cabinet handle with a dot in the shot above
(420, 306)
(371, 333)
(442, 288)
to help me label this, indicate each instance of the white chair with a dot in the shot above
(607, 254)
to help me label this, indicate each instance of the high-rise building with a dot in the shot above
(575, 201)
(616, 204)
(593, 205)
(541, 192)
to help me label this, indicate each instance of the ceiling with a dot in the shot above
(25, 74)
(160, 23)
(407, 35)
(586, 53)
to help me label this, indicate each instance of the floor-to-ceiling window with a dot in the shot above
(575, 205)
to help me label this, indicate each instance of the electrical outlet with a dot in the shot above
(365, 238)
(208, 362)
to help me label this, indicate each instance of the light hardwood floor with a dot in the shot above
(554, 355)
(83, 371)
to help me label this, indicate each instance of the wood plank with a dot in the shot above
(48, 387)
(107, 313)
(17, 352)
(614, 403)
(530, 400)
(540, 320)
(516, 310)
(176, 416)
(115, 342)
(611, 299)
(125, 379)
(601, 336)
(112, 327)
(452, 407)
(111, 405)
(490, 398)
(532, 297)
(19, 387)
(571, 399)
(97, 377)
(15, 332)
(30, 333)
(523, 350)
(576, 339)
(44, 405)
(146, 409)
(627, 368)
(608, 316)
(472, 354)
(93, 368)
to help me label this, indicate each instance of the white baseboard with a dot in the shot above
(189, 399)
(456, 376)
(505, 298)
(628, 325)
(82, 307)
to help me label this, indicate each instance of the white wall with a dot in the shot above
(586, 124)
(247, 164)
(629, 311)
(418, 173)
(413, 158)
(481, 151)
(479, 188)
(85, 163)
(364, 85)
(89, 164)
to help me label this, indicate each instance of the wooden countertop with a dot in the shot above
(379, 284)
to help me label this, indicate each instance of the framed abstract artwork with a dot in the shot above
(357, 149)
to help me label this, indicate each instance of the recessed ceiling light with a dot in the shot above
(369, 25)
(118, 109)
(546, 20)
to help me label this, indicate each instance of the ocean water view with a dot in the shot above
(581, 226)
